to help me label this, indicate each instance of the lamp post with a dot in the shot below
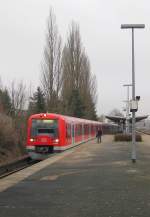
(127, 108)
(132, 27)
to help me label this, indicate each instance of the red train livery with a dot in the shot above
(48, 133)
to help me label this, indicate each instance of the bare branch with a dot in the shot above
(18, 96)
(52, 66)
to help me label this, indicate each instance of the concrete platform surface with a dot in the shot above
(94, 180)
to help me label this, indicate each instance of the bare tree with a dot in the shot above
(51, 65)
(18, 97)
(1, 85)
(18, 101)
(101, 118)
(116, 112)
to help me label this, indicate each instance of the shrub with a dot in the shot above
(9, 147)
(127, 137)
(8, 136)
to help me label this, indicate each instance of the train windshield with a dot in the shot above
(44, 127)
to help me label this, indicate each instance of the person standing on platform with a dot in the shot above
(99, 135)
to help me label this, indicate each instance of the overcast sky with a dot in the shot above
(22, 38)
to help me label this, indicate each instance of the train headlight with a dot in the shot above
(31, 140)
(56, 140)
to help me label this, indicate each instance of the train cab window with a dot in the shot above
(46, 131)
(44, 127)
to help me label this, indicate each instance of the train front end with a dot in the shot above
(42, 135)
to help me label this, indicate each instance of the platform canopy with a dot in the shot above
(119, 119)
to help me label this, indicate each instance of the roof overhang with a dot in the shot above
(118, 119)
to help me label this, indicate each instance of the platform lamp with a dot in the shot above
(133, 110)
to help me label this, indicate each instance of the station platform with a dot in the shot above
(92, 180)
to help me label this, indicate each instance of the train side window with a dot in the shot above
(77, 130)
(72, 130)
(68, 131)
(80, 129)
(85, 129)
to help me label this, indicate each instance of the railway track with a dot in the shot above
(15, 166)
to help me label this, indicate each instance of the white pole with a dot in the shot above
(133, 98)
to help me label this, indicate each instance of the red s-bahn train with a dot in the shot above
(47, 133)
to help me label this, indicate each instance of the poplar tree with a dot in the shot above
(78, 82)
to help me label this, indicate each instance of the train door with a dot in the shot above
(73, 133)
